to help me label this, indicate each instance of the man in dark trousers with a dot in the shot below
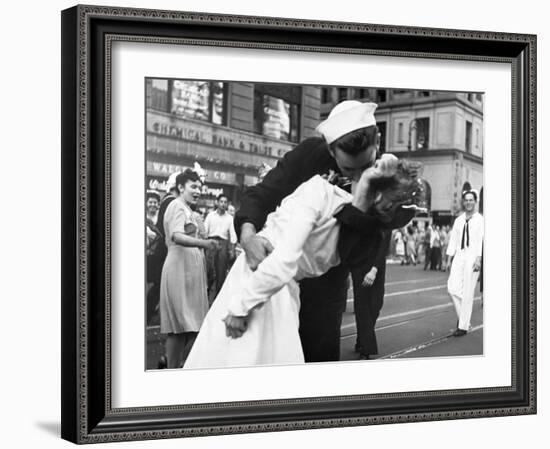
(347, 147)
(369, 278)
(219, 226)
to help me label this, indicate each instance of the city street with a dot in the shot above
(417, 318)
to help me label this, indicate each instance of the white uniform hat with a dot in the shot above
(346, 117)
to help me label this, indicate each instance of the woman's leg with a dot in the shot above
(190, 338)
(175, 345)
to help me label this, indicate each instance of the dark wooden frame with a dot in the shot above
(87, 34)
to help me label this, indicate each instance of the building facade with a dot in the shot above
(237, 130)
(443, 130)
(234, 131)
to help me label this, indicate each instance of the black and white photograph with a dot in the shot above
(285, 224)
(288, 224)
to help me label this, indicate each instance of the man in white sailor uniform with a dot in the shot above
(465, 251)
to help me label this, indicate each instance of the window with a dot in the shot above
(364, 94)
(157, 94)
(382, 135)
(400, 132)
(401, 94)
(426, 195)
(468, 137)
(381, 95)
(471, 98)
(326, 95)
(422, 133)
(200, 100)
(477, 138)
(479, 97)
(424, 93)
(342, 94)
(275, 117)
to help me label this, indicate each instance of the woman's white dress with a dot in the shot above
(304, 234)
(183, 295)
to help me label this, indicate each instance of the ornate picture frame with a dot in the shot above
(88, 33)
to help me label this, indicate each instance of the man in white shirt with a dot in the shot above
(219, 226)
(464, 248)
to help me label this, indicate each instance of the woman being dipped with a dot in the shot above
(254, 320)
(183, 297)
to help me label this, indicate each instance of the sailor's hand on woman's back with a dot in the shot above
(256, 248)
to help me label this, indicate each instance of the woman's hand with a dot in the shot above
(235, 326)
(210, 244)
(384, 167)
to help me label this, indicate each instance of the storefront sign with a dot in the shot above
(156, 184)
(218, 136)
(165, 170)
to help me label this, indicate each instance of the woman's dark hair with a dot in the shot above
(357, 141)
(186, 176)
(402, 189)
(471, 192)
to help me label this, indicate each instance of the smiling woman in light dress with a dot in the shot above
(255, 318)
(183, 298)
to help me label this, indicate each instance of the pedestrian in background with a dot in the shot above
(151, 206)
(183, 296)
(399, 239)
(464, 258)
(427, 247)
(435, 252)
(411, 246)
(219, 227)
(445, 235)
(156, 253)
